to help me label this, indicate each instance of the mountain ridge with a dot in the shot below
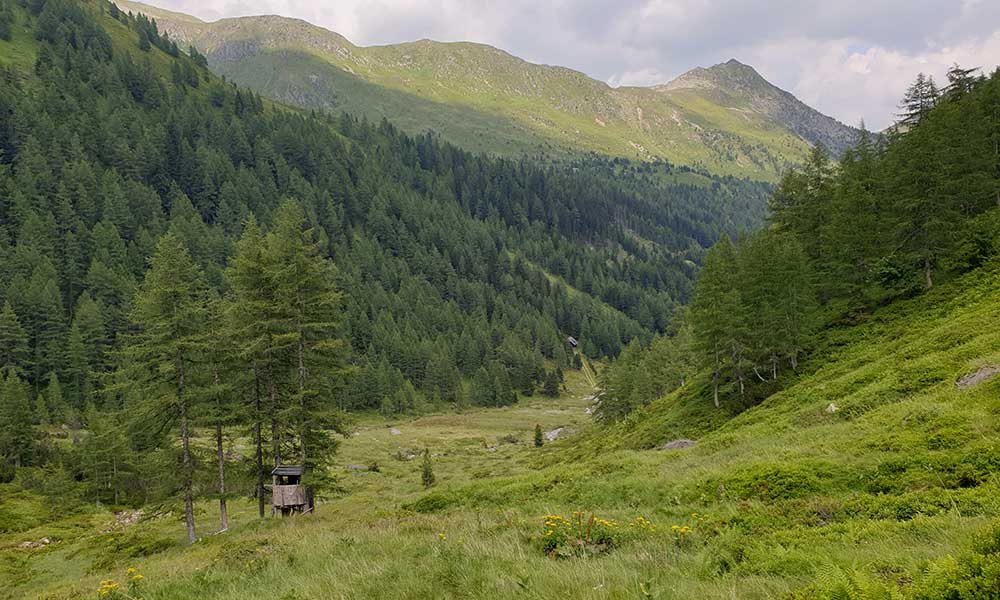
(487, 99)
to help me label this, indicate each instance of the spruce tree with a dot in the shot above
(13, 339)
(17, 428)
(551, 386)
(538, 436)
(55, 400)
(42, 415)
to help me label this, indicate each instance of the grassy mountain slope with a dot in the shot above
(485, 99)
(786, 496)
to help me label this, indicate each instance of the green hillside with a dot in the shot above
(726, 119)
(879, 491)
(197, 285)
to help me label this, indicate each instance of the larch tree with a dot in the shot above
(308, 306)
(716, 314)
(168, 314)
(247, 314)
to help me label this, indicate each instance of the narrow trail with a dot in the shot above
(588, 371)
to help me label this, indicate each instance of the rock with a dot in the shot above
(554, 434)
(35, 544)
(356, 467)
(973, 379)
(395, 431)
(831, 409)
(675, 444)
(124, 518)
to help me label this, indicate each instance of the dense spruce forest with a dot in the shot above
(180, 253)
(899, 212)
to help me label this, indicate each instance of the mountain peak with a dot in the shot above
(741, 87)
(730, 76)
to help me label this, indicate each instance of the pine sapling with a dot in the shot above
(538, 436)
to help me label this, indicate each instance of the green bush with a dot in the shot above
(120, 545)
(433, 502)
(775, 481)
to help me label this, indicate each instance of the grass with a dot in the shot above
(902, 473)
(19, 51)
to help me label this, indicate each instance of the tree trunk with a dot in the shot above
(186, 451)
(737, 371)
(272, 397)
(275, 438)
(258, 444)
(302, 398)
(927, 273)
(715, 381)
(220, 456)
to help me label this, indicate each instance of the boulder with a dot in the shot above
(675, 444)
(978, 376)
(554, 434)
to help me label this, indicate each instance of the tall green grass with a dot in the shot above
(783, 500)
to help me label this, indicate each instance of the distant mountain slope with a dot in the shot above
(733, 83)
(725, 118)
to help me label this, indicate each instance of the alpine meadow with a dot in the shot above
(285, 316)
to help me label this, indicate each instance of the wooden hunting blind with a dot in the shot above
(287, 492)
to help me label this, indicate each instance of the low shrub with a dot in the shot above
(581, 536)
(117, 546)
(433, 502)
(779, 481)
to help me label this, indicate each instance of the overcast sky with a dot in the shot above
(851, 59)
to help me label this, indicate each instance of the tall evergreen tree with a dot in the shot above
(716, 314)
(13, 339)
(17, 427)
(309, 308)
(249, 323)
(169, 316)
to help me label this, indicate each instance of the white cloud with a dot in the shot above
(641, 77)
(852, 82)
(851, 58)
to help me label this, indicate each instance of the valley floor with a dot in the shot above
(885, 490)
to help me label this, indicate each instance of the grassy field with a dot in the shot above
(795, 498)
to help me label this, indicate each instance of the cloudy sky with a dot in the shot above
(851, 59)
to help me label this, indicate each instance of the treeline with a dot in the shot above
(900, 211)
(906, 208)
(462, 275)
(752, 315)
